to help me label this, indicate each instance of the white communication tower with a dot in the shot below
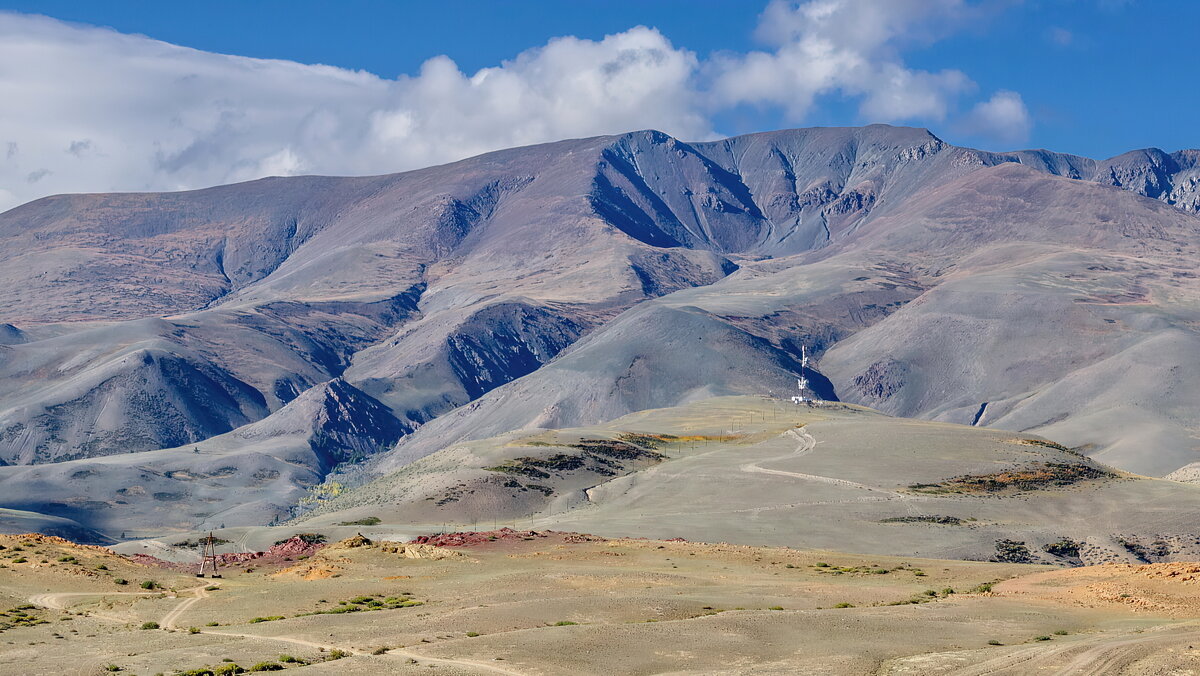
(802, 381)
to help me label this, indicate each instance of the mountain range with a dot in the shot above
(235, 355)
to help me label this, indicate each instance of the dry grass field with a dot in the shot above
(512, 602)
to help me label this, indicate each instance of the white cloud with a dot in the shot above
(846, 46)
(1002, 117)
(90, 109)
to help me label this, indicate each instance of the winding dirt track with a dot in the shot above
(57, 601)
(806, 445)
(1101, 654)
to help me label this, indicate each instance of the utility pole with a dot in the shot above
(208, 556)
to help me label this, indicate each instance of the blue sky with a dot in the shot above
(1092, 77)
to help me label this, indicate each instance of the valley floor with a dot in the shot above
(513, 602)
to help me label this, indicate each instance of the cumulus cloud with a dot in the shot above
(90, 109)
(847, 46)
(1002, 117)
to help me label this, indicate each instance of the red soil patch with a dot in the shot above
(284, 552)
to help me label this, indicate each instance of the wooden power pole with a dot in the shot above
(208, 556)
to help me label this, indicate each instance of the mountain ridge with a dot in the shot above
(555, 285)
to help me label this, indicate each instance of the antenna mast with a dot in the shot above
(802, 381)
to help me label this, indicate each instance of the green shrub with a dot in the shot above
(1041, 638)
(365, 521)
(269, 618)
(102, 567)
(1061, 632)
(288, 659)
(66, 559)
(994, 642)
(983, 588)
(775, 608)
(381, 650)
(564, 623)
(844, 605)
(149, 584)
(193, 630)
(149, 625)
(213, 624)
(228, 670)
(336, 654)
(472, 634)
(267, 666)
(20, 559)
(120, 580)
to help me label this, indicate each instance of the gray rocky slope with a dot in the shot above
(574, 282)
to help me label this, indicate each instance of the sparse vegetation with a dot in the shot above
(1035, 476)
(268, 618)
(1044, 444)
(602, 456)
(943, 520)
(1143, 552)
(368, 603)
(194, 544)
(365, 521)
(19, 617)
(149, 625)
(1063, 548)
(1012, 551)
(149, 584)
